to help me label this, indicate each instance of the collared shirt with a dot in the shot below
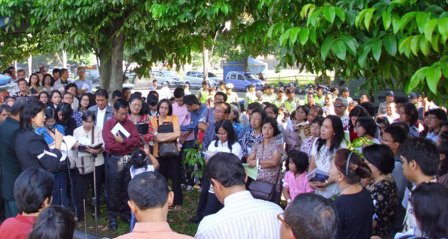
(433, 136)
(100, 117)
(80, 133)
(153, 230)
(183, 116)
(224, 147)
(242, 217)
(18, 227)
(127, 145)
(194, 120)
(84, 85)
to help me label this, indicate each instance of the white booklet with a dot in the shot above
(118, 128)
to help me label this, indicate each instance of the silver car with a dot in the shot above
(170, 77)
(195, 79)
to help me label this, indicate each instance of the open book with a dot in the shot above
(317, 175)
(84, 141)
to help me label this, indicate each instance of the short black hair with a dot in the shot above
(191, 100)
(56, 70)
(139, 159)
(312, 216)
(120, 104)
(148, 190)
(430, 209)
(152, 100)
(227, 169)
(53, 223)
(170, 106)
(33, 107)
(221, 94)
(88, 114)
(254, 106)
(102, 92)
(179, 92)
(442, 146)
(424, 152)
(397, 132)
(66, 110)
(368, 124)
(116, 94)
(45, 77)
(16, 108)
(5, 107)
(439, 113)
(20, 80)
(318, 120)
(273, 123)
(401, 100)
(70, 85)
(63, 70)
(381, 156)
(411, 111)
(274, 108)
(300, 159)
(369, 107)
(31, 188)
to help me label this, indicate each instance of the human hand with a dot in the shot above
(58, 137)
(317, 185)
(146, 149)
(118, 138)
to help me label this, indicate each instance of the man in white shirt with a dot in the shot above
(102, 110)
(84, 85)
(62, 81)
(242, 216)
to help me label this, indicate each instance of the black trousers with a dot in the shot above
(213, 205)
(84, 182)
(117, 179)
(169, 168)
(203, 196)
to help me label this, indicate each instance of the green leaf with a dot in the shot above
(363, 55)
(326, 46)
(284, 37)
(306, 10)
(351, 44)
(387, 19)
(444, 68)
(376, 49)
(360, 16)
(433, 75)
(415, 79)
(390, 44)
(339, 49)
(313, 35)
(329, 13)
(415, 45)
(443, 28)
(304, 33)
(422, 18)
(340, 13)
(368, 18)
(395, 23)
(405, 46)
(294, 33)
(406, 19)
(429, 28)
(424, 45)
(435, 43)
(312, 19)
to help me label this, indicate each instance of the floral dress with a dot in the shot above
(384, 196)
(144, 120)
(265, 152)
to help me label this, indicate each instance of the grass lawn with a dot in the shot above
(178, 220)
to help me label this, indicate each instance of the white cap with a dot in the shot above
(229, 85)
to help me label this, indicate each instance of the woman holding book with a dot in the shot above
(89, 157)
(324, 148)
(140, 118)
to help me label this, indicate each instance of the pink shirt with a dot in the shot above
(184, 117)
(153, 230)
(296, 185)
(17, 227)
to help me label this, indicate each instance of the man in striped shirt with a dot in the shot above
(242, 216)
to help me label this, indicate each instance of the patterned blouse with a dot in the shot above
(144, 119)
(249, 140)
(307, 145)
(384, 196)
(264, 152)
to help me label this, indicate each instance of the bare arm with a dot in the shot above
(272, 162)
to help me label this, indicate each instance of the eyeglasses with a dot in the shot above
(339, 106)
(281, 218)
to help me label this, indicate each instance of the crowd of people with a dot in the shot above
(276, 166)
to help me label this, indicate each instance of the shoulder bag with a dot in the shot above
(86, 164)
(167, 149)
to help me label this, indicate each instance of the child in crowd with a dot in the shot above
(295, 181)
(140, 164)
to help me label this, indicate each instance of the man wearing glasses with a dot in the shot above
(340, 108)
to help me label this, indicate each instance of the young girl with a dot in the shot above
(294, 131)
(307, 144)
(366, 129)
(140, 164)
(295, 181)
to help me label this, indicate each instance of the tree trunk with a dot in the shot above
(116, 77)
(105, 68)
(205, 63)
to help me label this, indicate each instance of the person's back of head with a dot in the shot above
(421, 152)
(191, 100)
(55, 222)
(32, 190)
(311, 216)
(227, 169)
(139, 159)
(148, 190)
(429, 201)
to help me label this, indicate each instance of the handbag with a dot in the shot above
(167, 149)
(86, 164)
(264, 190)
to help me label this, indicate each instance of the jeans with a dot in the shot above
(117, 179)
(60, 193)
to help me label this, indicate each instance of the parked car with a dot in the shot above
(170, 77)
(195, 79)
(241, 80)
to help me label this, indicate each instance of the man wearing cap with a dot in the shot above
(340, 107)
(232, 97)
(279, 100)
(382, 109)
(346, 95)
(268, 93)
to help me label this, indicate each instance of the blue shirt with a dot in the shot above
(42, 131)
(194, 122)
